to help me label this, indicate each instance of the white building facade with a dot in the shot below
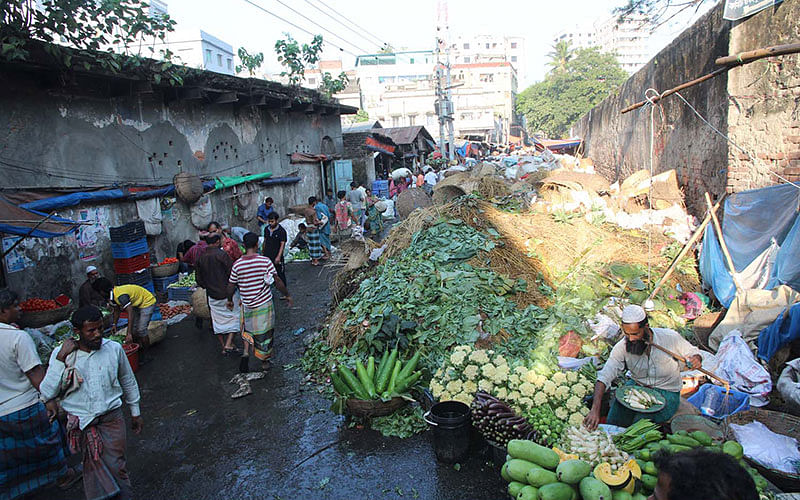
(470, 49)
(629, 40)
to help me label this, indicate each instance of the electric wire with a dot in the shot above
(359, 33)
(321, 27)
(354, 24)
(259, 7)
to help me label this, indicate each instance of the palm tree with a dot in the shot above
(560, 55)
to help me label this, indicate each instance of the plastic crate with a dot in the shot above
(161, 284)
(180, 293)
(128, 232)
(133, 264)
(156, 315)
(380, 188)
(139, 278)
(726, 404)
(129, 249)
(149, 286)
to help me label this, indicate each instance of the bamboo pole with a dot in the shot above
(697, 233)
(34, 228)
(699, 368)
(723, 245)
(728, 63)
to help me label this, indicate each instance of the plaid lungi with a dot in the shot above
(31, 452)
(314, 244)
(259, 324)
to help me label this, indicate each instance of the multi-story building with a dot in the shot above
(470, 49)
(629, 40)
(199, 49)
(399, 89)
(579, 37)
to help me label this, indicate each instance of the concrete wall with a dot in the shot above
(764, 101)
(620, 144)
(757, 105)
(79, 141)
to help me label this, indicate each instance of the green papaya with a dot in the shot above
(528, 492)
(514, 487)
(504, 474)
(620, 495)
(649, 482)
(683, 440)
(650, 468)
(682, 433)
(556, 491)
(539, 477)
(593, 489)
(638, 496)
(644, 454)
(702, 438)
(677, 448)
(733, 449)
(517, 469)
(572, 471)
(532, 452)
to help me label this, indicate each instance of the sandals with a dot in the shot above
(231, 350)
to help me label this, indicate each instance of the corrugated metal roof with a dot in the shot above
(406, 135)
(355, 128)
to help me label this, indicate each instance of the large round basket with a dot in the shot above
(200, 303)
(410, 200)
(373, 407)
(188, 187)
(781, 423)
(37, 319)
(704, 325)
(165, 270)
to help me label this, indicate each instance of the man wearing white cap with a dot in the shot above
(649, 367)
(87, 296)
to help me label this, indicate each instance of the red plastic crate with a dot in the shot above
(132, 264)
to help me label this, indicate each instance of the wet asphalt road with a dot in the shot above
(281, 442)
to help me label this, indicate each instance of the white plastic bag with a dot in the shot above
(775, 451)
(789, 382)
(568, 363)
(737, 365)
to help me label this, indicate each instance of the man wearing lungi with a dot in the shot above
(31, 453)
(324, 218)
(253, 274)
(212, 270)
(93, 378)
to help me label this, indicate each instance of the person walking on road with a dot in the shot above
(356, 198)
(274, 245)
(31, 453)
(252, 275)
(94, 379)
(213, 271)
(324, 223)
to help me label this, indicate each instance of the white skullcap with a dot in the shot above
(90, 269)
(633, 314)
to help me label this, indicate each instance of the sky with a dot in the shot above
(410, 24)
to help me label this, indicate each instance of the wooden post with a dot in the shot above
(723, 245)
(697, 233)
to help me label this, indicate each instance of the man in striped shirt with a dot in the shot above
(253, 274)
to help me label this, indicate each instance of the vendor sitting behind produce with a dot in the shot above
(301, 240)
(649, 367)
(137, 302)
(88, 296)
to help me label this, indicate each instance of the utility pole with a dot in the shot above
(444, 95)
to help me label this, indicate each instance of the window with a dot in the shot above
(230, 64)
(513, 58)
(514, 44)
(487, 45)
(412, 60)
(208, 56)
(466, 46)
(494, 45)
(487, 77)
(312, 81)
(466, 60)
(219, 59)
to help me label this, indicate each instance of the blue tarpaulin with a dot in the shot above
(20, 222)
(752, 219)
(782, 331)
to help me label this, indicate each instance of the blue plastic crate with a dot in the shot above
(156, 315)
(727, 404)
(149, 286)
(180, 293)
(130, 249)
(161, 284)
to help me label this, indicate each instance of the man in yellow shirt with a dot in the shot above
(137, 302)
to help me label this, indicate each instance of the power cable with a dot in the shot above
(321, 27)
(359, 33)
(354, 24)
(296, 26)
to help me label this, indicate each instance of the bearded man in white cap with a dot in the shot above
(87, 296)
(649, 367)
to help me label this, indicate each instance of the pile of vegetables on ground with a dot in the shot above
(168, 311)
(185, 281)
(388, 379)
(168, 260)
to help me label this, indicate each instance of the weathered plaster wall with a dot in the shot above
(764, 101)
(60, 140)
(620, 144)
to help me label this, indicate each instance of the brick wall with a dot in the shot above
(764, 102)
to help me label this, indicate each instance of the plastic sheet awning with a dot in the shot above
(20, 222)
(752, 220)
(230, 181)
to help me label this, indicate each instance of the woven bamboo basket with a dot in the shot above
(200, 303)
(164, 270)
(373, 407)
(37, 319)
(188, 187)
(410, 200)
(781, 423)
(704, 325)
